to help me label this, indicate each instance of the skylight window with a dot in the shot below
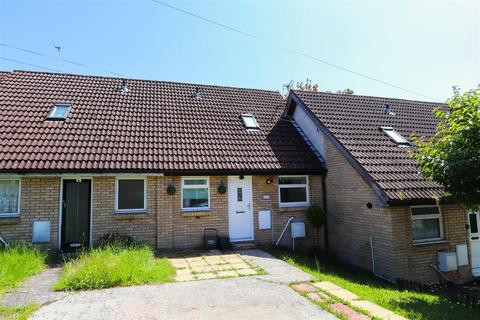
(250, 122)
(59, 112)
(395, 136)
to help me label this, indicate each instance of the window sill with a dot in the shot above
(293, 208)
(196, 213)
(130, 215)
(426, 243)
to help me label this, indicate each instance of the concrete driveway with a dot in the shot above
(261, 297)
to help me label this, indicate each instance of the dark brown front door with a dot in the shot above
(76, 213)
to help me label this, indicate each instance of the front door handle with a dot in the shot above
(240, 211)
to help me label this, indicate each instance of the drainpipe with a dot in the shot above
(284, 229)
(3, 241)
(440, 272)
(324, 203)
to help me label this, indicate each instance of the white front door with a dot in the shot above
(240, 208)
(474, 222)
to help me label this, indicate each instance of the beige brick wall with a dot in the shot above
(38, 201)
(138, 226)
(351, 224)
(413, 261)
(164, 224)
(280, 216)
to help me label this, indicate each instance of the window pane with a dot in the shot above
(60, 111)
(395, 136)
(239, 194)
(473, 222)
(293, 194)
(425, 210)
(250, 121)
(195, 198)
(190, 182)
(9, 190)
(292, 180)
(426, 229)
(131, 194)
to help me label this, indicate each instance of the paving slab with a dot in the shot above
(376, 310)
(201, 269)
(277, 270)
(185, 277)
(336, 291)
(304, 287)
(241, 265)
(227, 273)
(348, 312)
(247, 272)
(206, 276)
(35, 290)
(234, 298)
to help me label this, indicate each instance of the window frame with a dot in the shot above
(249, 115)
(14, 214)
(394, 135)
(438, 216)
(51, 116)
(182, 186)
(298, 185)
(144, 178)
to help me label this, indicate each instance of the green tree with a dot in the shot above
(451, 157)
(345, 91)
(317, 218)
(308, 85)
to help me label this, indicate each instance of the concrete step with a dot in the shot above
(243, 245)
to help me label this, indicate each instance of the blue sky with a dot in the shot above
(424, 46)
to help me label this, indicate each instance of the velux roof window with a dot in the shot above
(59, 112)
(250, 122)
(395, 136)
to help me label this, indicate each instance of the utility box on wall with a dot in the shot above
(41, 232)
(264, 219)
(447, 261)
(298, 229)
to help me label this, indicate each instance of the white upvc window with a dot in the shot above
(427, 224)
(9, 197)
(293, 191)
(195, 193)
(130, 194)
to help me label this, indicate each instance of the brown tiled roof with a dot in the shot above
(154, 127)
(355, 121)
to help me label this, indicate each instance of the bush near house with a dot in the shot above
(17, 263)
(410, 303)
(116, 263)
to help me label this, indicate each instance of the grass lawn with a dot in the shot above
(408, 303)
(114, 265)
(17, 263)
(17, 313)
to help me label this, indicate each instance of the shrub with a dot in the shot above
(317, 218)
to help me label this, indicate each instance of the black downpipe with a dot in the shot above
(324, 202)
